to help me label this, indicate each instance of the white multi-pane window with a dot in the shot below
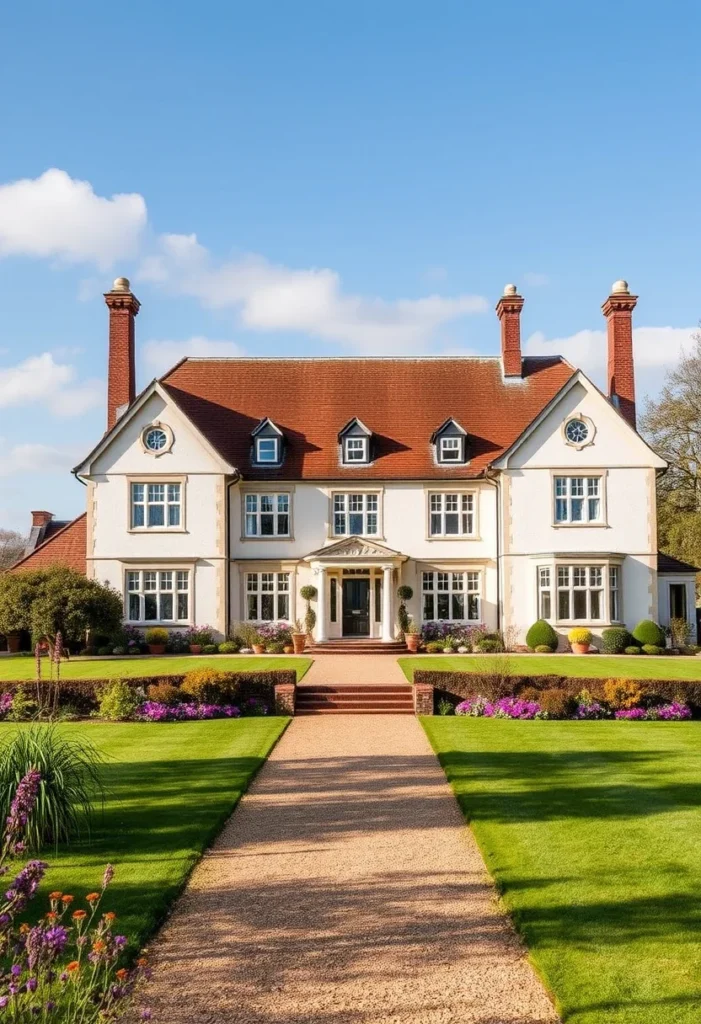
(158, 595)
(614, 594)
(355, 449)
(267, 596)
(450, 449)
(580, 593)
(267, 449)
(544, 593)
(355, 515)
(267, 515)
(156, 505)
(577, 499)
(452, 515)
(451, 596)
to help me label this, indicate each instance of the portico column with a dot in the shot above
(387, 635)
(321, 605)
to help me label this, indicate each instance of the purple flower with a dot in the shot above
(25, 885)
(145, 1014)
(108, 876)
(4, 1000)
(120, 941)
(31, 985)
(15, 970)
(631, 714)
(22, 806)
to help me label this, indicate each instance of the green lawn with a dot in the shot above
(170, 788)
(591, 831)
(12, 667)
(600, 666)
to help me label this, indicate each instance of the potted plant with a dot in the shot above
(412, 637)
(299, 638)
(199, 637)
(580, 640)
(308, 593)
(258, 644)
(156, 640)
(404, 594)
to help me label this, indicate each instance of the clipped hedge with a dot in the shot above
(83, 693)
(461, 685)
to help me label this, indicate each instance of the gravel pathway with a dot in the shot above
(345, 889)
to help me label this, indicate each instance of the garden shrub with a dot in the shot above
(210, 649)
(104, 651)
(529, 693)
(622, 693)
(633, 650)
(489, 646)
(178, 642)
(435, 646)
(543, 649)
(208, 686)
(580, 635)
(652, 649)
(118, 701)
(555, 702)
(616, 639)
(229, 647)
(165, 693)
(277, 647)
(23, 705)
(542, 634)
(156, 635)
(648, 632)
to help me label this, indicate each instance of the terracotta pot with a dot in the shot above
(299, 641)
(156, 648)
(258, 648)
(289, 649)
(580, 648)
(412, 641)
(195, 648)
(13, 640)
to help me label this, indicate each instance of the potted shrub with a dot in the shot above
(199, 637)
(412, 637)
(580, 640)
(308, 593)
(156, 640)
(299, 638)
(258, 644)
(404, 594)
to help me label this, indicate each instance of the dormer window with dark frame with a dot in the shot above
(267, 444)
(450, 442)
(355, 441)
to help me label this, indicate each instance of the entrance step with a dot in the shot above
(373, 699)
(358, 647)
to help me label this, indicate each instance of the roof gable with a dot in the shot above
(66, 546)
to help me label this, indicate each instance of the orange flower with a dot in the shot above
(98, 945)
(78, 915)
(52, 916)
(24, 928)
(55, 895)
(74, 965)
(110, 916)
(92, 897)
(142, 961)
(122, 973)
(67, 899)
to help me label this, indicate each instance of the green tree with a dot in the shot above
(48, 601)
(672, 424)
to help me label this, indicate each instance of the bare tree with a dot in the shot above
(12, 545)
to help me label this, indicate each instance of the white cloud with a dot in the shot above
(35, 458)
(57, 216)
(42, 379)
(159, 356)
(536, 280)
(271, 297)
(654, 347)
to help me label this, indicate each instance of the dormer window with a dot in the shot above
(267, 444)
(355, 443)
(450, 441)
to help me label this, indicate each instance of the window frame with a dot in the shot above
(364, 449)
(347, 512)
(443, 584)
(267, 439)
(472, 495)
(276, 513)
(156, 481)
(587, 477)
(610, 585)
(176, 590)
(260, 591)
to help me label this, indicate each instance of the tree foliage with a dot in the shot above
(58, 599)
(12, 545)
(672, 425)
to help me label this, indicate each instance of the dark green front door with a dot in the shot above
(356, 607)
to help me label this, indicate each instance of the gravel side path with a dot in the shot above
(344, 889)
(358, 669)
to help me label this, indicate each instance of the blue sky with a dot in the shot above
(323, 178)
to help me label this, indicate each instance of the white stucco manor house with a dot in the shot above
(501, 489)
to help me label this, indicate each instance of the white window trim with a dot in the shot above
(605, 564)
(256, 451)
(269, 492)
(365, 491)
(365, 450)
(442, 447)
(578, 445)
(276, 591)
(157, 425)
(163, 480)
(593, 524)
(465, 573)
(475, 513)
(175, 569)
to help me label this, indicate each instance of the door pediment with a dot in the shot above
(354, 547)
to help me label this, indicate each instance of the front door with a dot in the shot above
(356, 607)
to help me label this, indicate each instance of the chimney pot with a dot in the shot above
(509, 309)
(620, 288)
(121, 284)
(510, 289)
(618, 310)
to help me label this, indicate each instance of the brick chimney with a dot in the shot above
(121, 375)
(41, 518)
(509, 309)
(618, 310)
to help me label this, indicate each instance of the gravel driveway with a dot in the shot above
(345, 889)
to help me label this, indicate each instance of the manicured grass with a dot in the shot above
(12, 667)
(170, 788)
(591, 832)
(599, 666)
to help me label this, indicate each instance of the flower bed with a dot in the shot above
(524, 710)
(507, 707)
(153, 711)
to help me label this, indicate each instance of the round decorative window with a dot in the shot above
(155, 439)
(576, 431)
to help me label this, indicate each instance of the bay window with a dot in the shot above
(450, 596)
(355, 515)
(579, 593)
(267, 515)
(451, 515)
(578, 499)
(158, 595)
(156, 505)
(267, 596)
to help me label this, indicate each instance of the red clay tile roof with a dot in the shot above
(402, 401)
(66, 546)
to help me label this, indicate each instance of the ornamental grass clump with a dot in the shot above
(70, 783)
(64, 968)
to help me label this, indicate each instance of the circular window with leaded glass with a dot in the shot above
(578, 431)
(157, 439)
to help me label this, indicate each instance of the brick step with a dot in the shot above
(354, 711)
(371, 689)
(357, 651)
(334, 699)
